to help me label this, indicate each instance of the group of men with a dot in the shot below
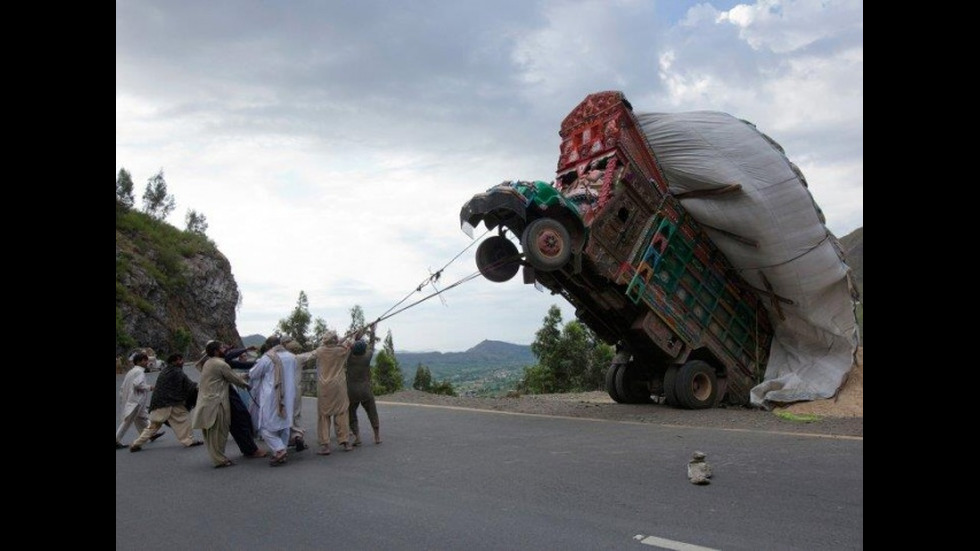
(270, 385)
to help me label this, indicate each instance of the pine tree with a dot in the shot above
(156, 201)
(387, 376)
(319, 329)
(124, 189)
(423, 379)
(356, 319)
(196, 222)
(298, 323)
(357, 323)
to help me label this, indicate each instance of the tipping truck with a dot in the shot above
(609, 237)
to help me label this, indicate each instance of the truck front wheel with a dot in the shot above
(547, 244)
(497, 259)
(696, 386)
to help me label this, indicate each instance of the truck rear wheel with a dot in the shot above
(631, 385)
(611, 372)
(497, 259)
(697, 385)
(547, 244)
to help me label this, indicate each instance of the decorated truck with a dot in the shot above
(692, 243)
(610, 237)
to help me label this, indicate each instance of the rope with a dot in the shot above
(432, 279)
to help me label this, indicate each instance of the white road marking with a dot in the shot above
(670, 544)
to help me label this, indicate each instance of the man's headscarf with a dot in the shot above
(330, 338)
(277, 378)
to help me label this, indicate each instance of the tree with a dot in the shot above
(387, 376)
(124, 189)
(600, 357)
(537, 379)
(298, 322)
(319, 329)
(569, 359)
(196, 222)
(423, 379)
(356, 319)
(156, 201)
(182, 341)
(443, 387)
(547, 338)
(357, 323)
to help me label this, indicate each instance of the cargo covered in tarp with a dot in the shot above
(754, 204)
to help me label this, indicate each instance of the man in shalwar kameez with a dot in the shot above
(134, 396)
(212, 414)
(273, 377)
(331, 391)
(297, 433)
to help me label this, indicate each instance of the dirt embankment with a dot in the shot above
(849, 401)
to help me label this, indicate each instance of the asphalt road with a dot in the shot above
(480, 480)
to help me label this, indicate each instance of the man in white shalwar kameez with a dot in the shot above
(273, 378)
(134, 397)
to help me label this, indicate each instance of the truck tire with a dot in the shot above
(670, 386)
(631, 385)
(696, 385)
(497, 259)
(547, 244)
(611, 372)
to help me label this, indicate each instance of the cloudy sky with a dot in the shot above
(330, 144)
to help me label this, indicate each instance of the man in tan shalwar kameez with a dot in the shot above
(331, 391)
(212, 414)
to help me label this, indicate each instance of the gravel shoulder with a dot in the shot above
(841, 417)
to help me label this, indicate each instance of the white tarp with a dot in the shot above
(815, 342)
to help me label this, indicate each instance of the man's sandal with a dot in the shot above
(278, 459)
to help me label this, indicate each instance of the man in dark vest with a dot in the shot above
(167, 405)
(359, 390)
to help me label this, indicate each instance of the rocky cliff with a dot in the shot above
(174, 289)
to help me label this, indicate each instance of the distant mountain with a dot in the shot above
(253, 340)
(487, 367)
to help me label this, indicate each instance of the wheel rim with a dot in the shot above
(701, 387)
(549, 243)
